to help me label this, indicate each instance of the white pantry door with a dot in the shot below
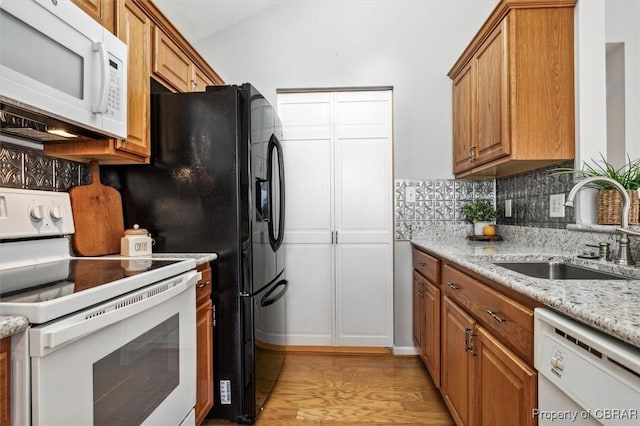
(339, 209)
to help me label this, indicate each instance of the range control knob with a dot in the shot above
(56, 213)
(36, 213)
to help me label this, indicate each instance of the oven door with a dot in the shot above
(130, 361)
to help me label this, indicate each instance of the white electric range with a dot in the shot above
(110, 341)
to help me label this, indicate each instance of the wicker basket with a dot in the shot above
(610, 205)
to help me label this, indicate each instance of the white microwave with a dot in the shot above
(56, 62)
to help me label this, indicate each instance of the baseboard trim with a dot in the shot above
(343, 350)
(405, 350)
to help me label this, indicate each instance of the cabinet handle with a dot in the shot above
(496, 316)
(467, 339)
(204, 284)
(452, 286)
(469, 335)
(422, 264)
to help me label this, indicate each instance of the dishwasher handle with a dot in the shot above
(49, 338)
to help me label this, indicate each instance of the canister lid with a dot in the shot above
(136, 231)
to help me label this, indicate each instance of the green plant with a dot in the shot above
(479, 211)
(628, 175)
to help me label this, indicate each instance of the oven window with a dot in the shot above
(131, 382)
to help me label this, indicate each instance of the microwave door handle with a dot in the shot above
(101, 106)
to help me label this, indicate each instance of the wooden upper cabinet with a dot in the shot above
(173, 67)
(170, 64)
(463, 156)
(102, 11)
(156, 49)
(492, 89)
(200, 80)
(513, 91)
(134, 28)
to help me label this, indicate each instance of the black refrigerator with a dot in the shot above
(216, 184)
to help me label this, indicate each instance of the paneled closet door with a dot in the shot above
(308, 158)
(363, 218)
(338, 236)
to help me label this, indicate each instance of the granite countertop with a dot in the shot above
(10, 325)
(612, 306)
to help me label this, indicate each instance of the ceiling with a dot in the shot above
(199, 19)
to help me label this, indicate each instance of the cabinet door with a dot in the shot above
(200, 80)
(5, 381)
(457, 380)
(100, 10)
(204, 360)
(506, 385)
(417, 310)
(492, 90)
(170, 63)
(431, 330)
(463, 158)
(134, 28)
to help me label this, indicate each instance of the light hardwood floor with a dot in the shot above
(341, 390)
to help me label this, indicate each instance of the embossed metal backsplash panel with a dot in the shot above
(440, 201)
(529, 194)
(27, 168)
(437, 201)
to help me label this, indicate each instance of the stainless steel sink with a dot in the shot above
(558, 271)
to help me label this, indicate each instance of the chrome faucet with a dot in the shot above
(624, 251)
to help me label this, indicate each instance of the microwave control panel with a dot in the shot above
(116, 78)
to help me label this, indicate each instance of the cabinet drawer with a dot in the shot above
(203, 287)
(427, 265)
(506, 318)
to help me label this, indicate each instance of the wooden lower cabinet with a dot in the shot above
(506, 394)
(418, 317)
(204, 345)
(483, 382)
(476, 341)
(430, 347)
(426, 311)
(457, 378)
(5, 381)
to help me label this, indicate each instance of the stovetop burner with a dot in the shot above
(48, 281)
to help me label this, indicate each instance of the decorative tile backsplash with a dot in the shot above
(28, 168)
(529, 194)
(436, 201)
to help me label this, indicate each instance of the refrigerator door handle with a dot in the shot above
(274, 145)
(268, 298)
(263, 288)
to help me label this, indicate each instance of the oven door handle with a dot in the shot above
(49, 338)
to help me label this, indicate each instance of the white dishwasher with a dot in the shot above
(586, 377)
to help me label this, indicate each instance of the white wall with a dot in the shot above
(622, 25)
(410, 45)
(599, 22)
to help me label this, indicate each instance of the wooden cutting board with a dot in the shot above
(97, 215)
